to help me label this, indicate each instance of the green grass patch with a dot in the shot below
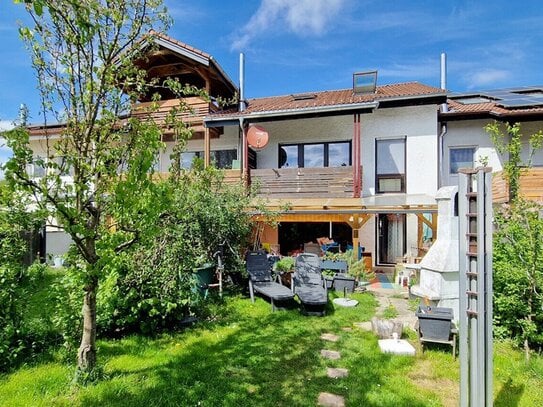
(254, 357)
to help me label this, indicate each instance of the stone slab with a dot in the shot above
(337, 372)
(330, 354)
(330, 337)
(331, 400)
(396, 347)
(365, 326)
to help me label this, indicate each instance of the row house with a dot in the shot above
(360, 166)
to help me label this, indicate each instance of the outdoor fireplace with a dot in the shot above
(438, 282)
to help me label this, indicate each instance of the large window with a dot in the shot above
(460, 157)
(390, 165)
(328, 154)
(219, 158)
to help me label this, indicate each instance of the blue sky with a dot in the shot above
(296, 46)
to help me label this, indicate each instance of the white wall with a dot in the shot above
(471, 133)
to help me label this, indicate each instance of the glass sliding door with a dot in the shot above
(391, 237)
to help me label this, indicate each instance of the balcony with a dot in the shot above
(531, 186)
(192, 111)
(331, 182)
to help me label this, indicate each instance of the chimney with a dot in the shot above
(242, 104)
(444, 106)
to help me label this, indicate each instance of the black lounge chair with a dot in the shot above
(309, 285)
(261, 280)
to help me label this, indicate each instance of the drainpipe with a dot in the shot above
(242, 106)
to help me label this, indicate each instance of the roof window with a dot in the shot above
(365, 82)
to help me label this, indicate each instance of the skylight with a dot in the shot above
(365, 82)
(472, 100)
(303, 96)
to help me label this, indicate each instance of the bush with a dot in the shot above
(150, 287)
(518, 273)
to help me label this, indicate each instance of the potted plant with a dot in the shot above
(357, 269)
(285, 267)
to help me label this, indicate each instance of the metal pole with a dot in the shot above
(489, 290)
(462, 277)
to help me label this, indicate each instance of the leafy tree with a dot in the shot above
(518, 273)
(82, 53)
(518, 246)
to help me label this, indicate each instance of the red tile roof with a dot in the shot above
(488, 109)
(333, 98)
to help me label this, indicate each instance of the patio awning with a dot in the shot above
(388, 203)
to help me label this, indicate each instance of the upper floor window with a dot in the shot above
(460, 157)
(219, 158)
(390, 165)
(327, 154)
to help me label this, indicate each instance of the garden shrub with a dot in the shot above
(150, 287)
(518, 273)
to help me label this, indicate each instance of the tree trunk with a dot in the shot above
(86, 355)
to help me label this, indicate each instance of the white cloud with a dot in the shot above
(487, 78)
(5, 125)
(301, 17)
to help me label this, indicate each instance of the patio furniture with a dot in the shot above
(261, 279)
(309, 285)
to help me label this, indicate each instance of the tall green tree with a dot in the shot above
(82, 53)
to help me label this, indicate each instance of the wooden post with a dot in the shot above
(207, 148)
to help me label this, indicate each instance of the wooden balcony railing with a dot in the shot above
(192, 111)
(531, 186)
(332, 182)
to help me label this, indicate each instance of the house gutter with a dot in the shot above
(220, 121)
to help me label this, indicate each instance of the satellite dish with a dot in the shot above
(257, 137)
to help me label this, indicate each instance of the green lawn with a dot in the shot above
(252, 357)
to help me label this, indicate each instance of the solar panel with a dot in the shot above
(521, 102)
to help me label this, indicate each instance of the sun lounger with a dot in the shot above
(261, 280)
(309, 285)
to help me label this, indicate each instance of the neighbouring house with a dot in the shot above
(360, 166)
(465, 142)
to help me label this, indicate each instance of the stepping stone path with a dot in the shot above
(337, 372)
(331, 400)
(330, 354)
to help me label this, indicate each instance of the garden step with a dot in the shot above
(331, 400)
(330, 337)
(337, 372)
(347, 329)
(330, 354)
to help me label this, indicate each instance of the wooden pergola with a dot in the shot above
(355, 211)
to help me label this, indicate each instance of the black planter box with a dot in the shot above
(435, 322)
(344, 283)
